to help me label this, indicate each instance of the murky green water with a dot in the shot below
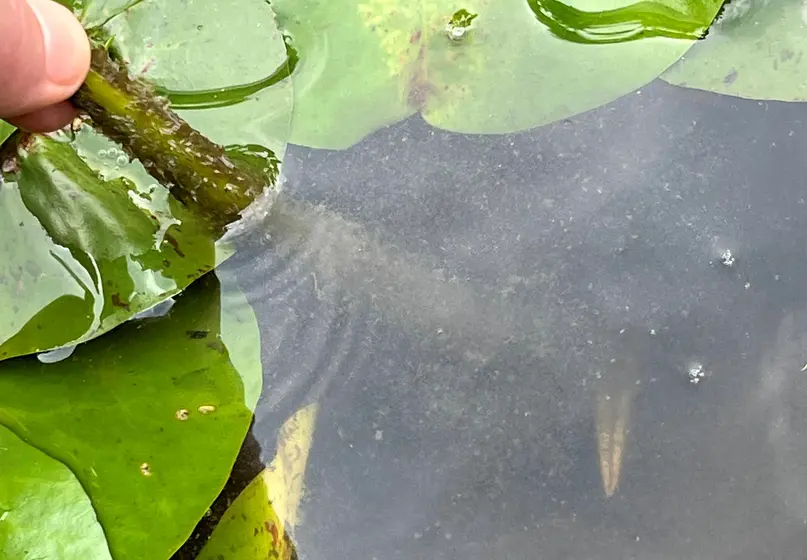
(455, 304)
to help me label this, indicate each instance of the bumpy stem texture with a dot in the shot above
(197, 171)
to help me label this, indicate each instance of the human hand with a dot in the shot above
(44, 58)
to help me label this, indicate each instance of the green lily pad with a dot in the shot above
(44, 512)
(367, 63)
(149, 417)
(85, 251)
(756, 51)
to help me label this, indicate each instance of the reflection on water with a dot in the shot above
(459, 305)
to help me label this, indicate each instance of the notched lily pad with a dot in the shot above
(44, 512)
(474, 66)
(149, 418)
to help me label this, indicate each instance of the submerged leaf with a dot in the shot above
(260, 522)
(149, 417)
(44, 512)
(754, 51)
(367, 63)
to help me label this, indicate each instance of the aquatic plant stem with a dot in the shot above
(197, 171)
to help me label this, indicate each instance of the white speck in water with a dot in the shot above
(145, 469)
(379, 435)
(182, 414)
(56, 355)
(3, 517)
(207, 408)
(696, 373)
(727, 258)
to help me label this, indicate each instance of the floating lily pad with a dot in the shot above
(44, 512)
(756, 51)
(367, 63)
(149, 417)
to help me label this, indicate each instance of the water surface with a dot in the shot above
(457, 304)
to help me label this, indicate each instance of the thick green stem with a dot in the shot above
(197, 171)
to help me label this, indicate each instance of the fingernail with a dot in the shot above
(66, 45)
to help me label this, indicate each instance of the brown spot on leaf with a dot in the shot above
(175, 244)
(118, 302)
(730, 77)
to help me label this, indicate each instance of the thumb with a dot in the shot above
(44, 57)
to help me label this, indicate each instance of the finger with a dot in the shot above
(44, 55)
(52, 117)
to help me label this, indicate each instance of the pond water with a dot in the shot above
(470, 311)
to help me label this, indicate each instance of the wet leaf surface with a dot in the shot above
(86, 251)
(44, 512)
(149, 417)
(756, 51)
(365, 64)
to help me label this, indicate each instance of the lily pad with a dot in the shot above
(149, 417)
(44, 512)
(367, 63)
(755, 51)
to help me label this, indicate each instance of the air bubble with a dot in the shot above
(122, 160)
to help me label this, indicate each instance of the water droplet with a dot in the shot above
(56, 355)
(182, 414)
(207, 408)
